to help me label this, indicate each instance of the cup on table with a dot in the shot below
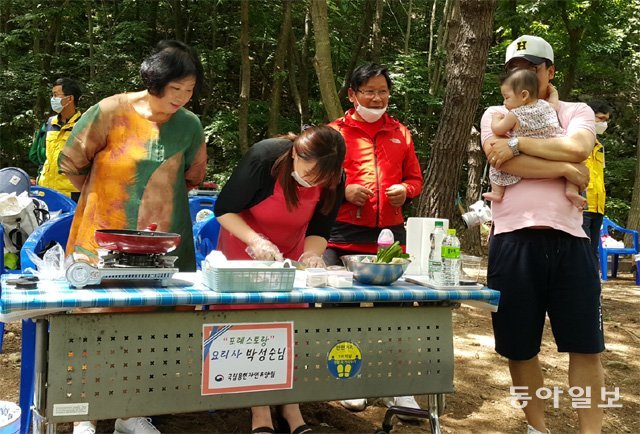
(470, 269)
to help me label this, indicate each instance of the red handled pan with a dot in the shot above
(145, 242)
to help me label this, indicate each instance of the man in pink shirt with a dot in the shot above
(539, 255)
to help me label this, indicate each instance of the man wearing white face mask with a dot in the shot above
(596, 195)
(382, 172)
(382, 169)
(65, 95)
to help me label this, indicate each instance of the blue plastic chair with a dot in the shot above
(205, 238)
(197, 203)
(3, 271)
(55, 200)
(55, 230)
(604, 252)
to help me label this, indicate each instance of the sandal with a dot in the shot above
(303, 429)
(283, 425)
(263, 430)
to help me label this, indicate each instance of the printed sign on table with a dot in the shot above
(344, 360)
(247, 357)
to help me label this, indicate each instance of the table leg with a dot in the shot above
(434, 402)
(26, 373)
(40, 379)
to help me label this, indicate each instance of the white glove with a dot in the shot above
(262, 249)
(312, 260)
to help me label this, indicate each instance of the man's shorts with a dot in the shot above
(544, 271)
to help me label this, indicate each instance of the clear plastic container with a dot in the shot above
(470, 269)
(340, 278)
(316, 277)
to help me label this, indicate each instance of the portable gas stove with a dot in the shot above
(130, 255)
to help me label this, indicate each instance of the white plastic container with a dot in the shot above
(419, 231)
(316, 277)
(340, 278)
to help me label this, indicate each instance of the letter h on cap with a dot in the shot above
(522, 45)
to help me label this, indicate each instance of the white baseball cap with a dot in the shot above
(532, 48)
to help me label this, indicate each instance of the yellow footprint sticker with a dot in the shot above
(344, 360)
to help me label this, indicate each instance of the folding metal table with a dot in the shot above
(107, 365)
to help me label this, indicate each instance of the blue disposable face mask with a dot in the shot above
(56, 104)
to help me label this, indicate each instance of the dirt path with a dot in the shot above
(481, 402)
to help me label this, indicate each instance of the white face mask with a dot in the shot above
(368, 114)
(56, 104)
(601, 127)
(300, 180)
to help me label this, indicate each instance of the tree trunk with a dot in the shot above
(437, 71)
(406, 50)
(278, 71)
(471, 30)
(5, 16)
(293, 77)
(178, 20)
(303, 83)
(209, 65)
(92, 64)
(376, 41)
(432, 23)
(471, 242)
(44, 47)
(322, 60)
(575, 37)
(513, 21)
(633, 220)
(152, 22)
(245, 77)
(363, 37)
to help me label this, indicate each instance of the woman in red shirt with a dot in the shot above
(280, 202)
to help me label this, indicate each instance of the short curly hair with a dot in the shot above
(171, 60)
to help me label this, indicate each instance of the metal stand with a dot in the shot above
(104, 366)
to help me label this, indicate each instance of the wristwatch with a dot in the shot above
(513, 145)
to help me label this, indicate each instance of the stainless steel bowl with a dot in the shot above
(371, 273)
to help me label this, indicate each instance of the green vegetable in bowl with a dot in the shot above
(387, 254)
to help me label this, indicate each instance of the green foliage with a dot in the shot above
(41, 41)
(617, 209)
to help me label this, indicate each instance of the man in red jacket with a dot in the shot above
(381, 167)
(382, 174)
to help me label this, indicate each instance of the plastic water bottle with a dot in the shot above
(435, 255)
(385, 239)
(451, 259)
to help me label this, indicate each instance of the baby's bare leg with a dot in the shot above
(572, 191)
(496, 193)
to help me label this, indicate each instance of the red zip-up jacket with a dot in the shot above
(377, 163)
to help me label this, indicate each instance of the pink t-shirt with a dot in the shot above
(540, 202)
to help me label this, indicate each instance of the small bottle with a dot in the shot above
(435, 255)
(451, 259)
(385, 239)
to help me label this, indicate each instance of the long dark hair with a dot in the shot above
(326, 147)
